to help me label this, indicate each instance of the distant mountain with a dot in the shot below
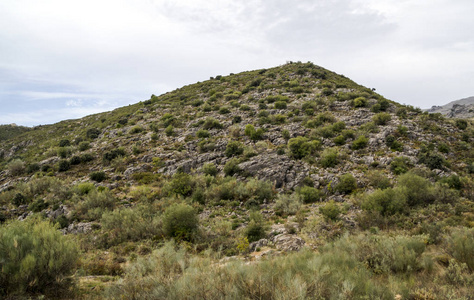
(463, 108)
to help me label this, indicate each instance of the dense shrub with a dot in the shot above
(381, 118)
(98, 176)
(211, 123)
(180, 221)
(280, 105)
(287, 204)
(300, 147)
(347, 184)
(64, 143)
(113, 154)
(202, 134)
(180, 184)
(309, 194)
(64, 165)
(432, 160)
(252, 133)
(329, 158)
(93, 204)
(360, 102)
(232, 167)
(234, 148)
(400, 165)
(255, 229)
(210, 169)
(16, 167)
(35, 258)
(386, 202)
(461, 124)
(330, 211)
(460, 244)
(93, 133)
(168, 119)
(418, 190)
(360, 143)
(136, 129)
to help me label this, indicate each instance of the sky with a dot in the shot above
(67, 59)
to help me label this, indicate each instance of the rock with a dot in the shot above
(62, 210)
(258, 244)
(288, 242)
(142, 168)
(76, 228)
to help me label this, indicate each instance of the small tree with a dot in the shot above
(180, 221)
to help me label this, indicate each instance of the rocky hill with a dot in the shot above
(251, 166)
(463, 108)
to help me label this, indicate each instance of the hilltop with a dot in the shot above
(321, 186)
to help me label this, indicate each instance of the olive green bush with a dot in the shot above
(181, 222)
(35, 258)
(347, 184)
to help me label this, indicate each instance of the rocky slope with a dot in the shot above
(463, 108)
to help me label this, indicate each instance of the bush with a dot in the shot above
(16, 167)
(169, 131)
(381, 118)
(329, 158)
(93, 133)
(255, 229)
(386, 202)
(360, 143)
(253, 134)
(63, 165)
(300, 147)
(330, 211)
(309, 194)
(234, 148)
(35, 258)
(180, 221)
(400, 165)
(168, 119)
(136, 129)
(280, 105)
(347, 184)
(94, 204)
(64, 143)
(460, 244)
(461, 124)
(75, 160)
(98, 176)
(360, 102)
(418, 190)
(209, 169)
(211, 123)
(287, 204)
(232, 167)
(33, 168)
(113, 154)
(180, 184)
(202, 134)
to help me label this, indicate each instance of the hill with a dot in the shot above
(288, 182)
(10, 131)
(463, 108)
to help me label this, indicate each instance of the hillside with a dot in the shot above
(289, 182)
(463, 108)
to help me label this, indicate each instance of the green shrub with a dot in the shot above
(130, 224)
(75, 160)
(93, 133)
(64, 143)
(94, 204)
(83, 188)
(232, 167)
(400, 165)
(418, 190)
(310, 194)
(280, 105)
(136, 129)
(339, 140)
(460, 244)
(300, 147)
(33, 168)
(330, 211)
(202, 134)
(169, 131)
(360, 102)
(255, 229)
(209, 169)
(35, 258)
(64, 152)
(224, 110)
(38, 205)
(378, 180)
(98, 176)
(211, 123)
(285, 134)
(287, 204)
(387, 202)
(180, 221)
(381, 118)
(347, 184)
(63, 165)
(431, 160)
(461, 124)
(234, 148)
(253, 134)
(180, 184)
(329, 158)
(168, 119)
(113, 154)
(16, 167)
(360, 143)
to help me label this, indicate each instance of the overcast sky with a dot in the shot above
(66, 59)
